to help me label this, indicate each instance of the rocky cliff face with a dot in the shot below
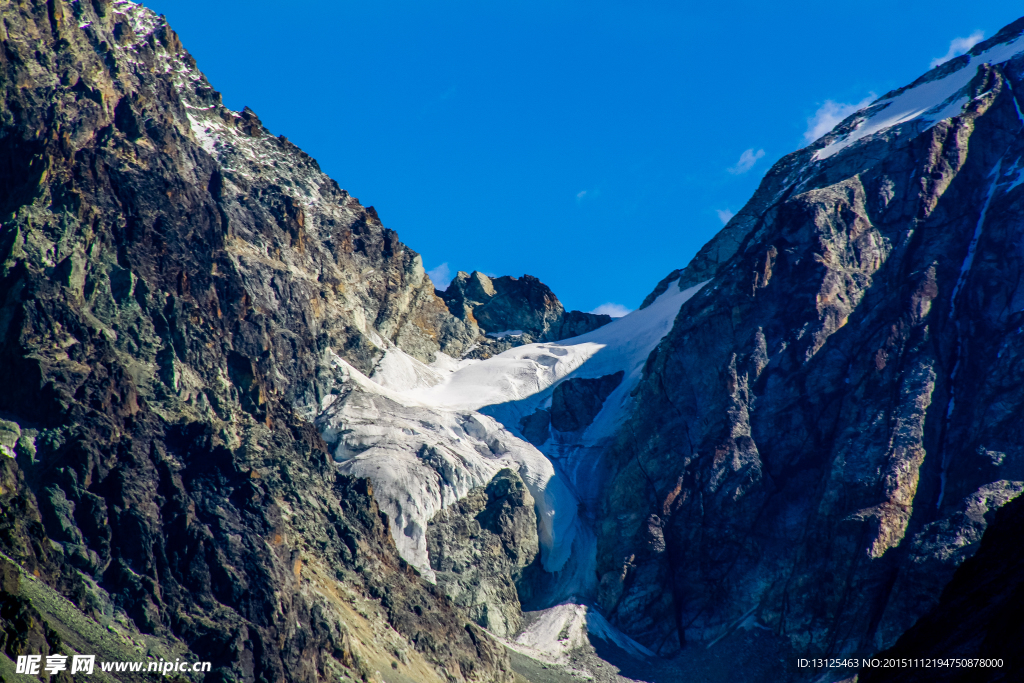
(829, 427)
(480, 548)
(173, 279)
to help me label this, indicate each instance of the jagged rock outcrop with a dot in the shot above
(480, 548)
(827, 430)
(173, 282)
(507, 311)
(536, 427)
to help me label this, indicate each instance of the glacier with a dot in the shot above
(426, 434)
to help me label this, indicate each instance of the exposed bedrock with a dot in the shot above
(575, 402)
(826, 432)
(536, 427)
(480, 547)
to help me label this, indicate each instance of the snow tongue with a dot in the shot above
(436, 438)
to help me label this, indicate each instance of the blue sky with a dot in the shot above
(596, 145)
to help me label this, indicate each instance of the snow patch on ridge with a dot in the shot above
(505, 333)
(526, 375)
(143, 20)
(931, 101)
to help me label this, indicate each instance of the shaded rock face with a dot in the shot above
(526, 306)
(536, 427)
(978, 615)
(577, 401)
(172, 278)
(480, 548)
(825, 433)
(574, 403)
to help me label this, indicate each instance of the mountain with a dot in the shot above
(830, 426)
(174, 283)
(240, 425)
(513, 311)
(977, 614)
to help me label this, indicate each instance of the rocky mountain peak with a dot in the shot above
(508, 311)
(175, 286)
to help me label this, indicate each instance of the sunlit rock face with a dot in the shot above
(830, 425)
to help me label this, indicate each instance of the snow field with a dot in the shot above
(555, 632)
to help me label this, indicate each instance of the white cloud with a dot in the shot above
(724, 215)
(831, 113)
(959, 46)
(441, 276)
(588, 195)
(747, 161)
(614, 310)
